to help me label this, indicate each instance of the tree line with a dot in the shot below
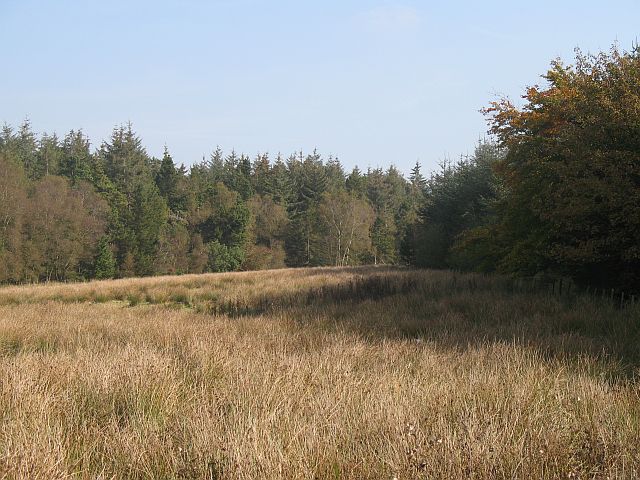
(68, 213)
(556, 191)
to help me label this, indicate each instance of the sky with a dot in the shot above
(374, 83)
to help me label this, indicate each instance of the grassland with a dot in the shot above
(318, 373)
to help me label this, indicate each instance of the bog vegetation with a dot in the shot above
(556, 191)
(351, 373)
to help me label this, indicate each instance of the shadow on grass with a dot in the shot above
(463, 311)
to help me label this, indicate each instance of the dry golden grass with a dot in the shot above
(318, 373)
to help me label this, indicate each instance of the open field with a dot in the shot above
(319, 373)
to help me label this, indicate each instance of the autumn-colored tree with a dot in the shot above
(63, 226)
(13, 198)
(347, 221)
(172, 256)
(572, 172)
(198, 255)
(269, 220)
(267, 231)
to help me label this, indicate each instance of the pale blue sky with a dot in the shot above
(374, 82)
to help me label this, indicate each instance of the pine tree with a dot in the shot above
(105, 262)
(215, 166)
(356, 183)
(279, 183)
(26, 149)
(417, 180)
(125, 160)
(242, 178)
(335, 174)
(76, 161)
(48, 157)
(311, 182)
(167, 180)
(260, 171)
(149, 217)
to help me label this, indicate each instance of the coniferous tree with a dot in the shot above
(105, 263)
(125, 160)
(310, 184)
(150, 215)
(48, 157)
(25, 148)
(356, 183)
(279, 184)
(260, 173)
(215, 166)
(335, 174)
(167, 181)
(76, 161)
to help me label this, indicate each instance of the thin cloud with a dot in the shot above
(391, 18)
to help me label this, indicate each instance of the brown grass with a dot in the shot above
(318, 373)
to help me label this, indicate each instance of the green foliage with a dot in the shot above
(149, 216)
(76, 162)
(167, 181)
(223, 258)
(105, 263)
(572, 195)
(456, 199)
(223, 214)
(383, 238)
(124, 159)
(310, 180)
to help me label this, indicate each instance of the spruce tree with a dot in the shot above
(105, 263)
(150, 215)
(167, 180)
(417, 180)
(76, 162)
